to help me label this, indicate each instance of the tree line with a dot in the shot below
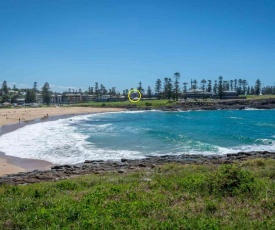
(168, 88)
(8, 94)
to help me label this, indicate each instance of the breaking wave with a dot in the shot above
(137, 134)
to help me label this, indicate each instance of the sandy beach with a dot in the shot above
(9, 119)
(12, 116)
(8, 168)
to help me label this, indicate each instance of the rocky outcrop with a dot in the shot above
(236, 104)
(60, 172)
(229, 104)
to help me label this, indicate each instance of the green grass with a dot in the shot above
(150, 103)
(157, 103)
(140, 104)
(173, 196)
(254, 97)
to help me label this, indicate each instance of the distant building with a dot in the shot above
(103, 98)
(56, 99)
(72, 98)
(228, 95)
(106, 98)
(75, 98)
(87, 98)
(20, 101)
(38, 98)
(197, 93)
(121, 98)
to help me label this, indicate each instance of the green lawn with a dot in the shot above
(260, 97)
(156, 103)
(173, 196)
(151, 103)
(142, 103)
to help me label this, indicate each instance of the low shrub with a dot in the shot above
(148, 104)
(232, 180)
(210, 207)
(66, 185)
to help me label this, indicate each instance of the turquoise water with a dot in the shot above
(137, 134)
(182, 132)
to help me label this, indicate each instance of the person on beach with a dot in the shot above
(19, 120)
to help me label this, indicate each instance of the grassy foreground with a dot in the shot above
(172, 196)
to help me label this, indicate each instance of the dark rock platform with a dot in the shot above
(60, 172)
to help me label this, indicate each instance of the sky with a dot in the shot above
(75, 43)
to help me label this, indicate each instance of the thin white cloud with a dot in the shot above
(66, 87)
(62, 88)
(53, 87)
(10, 84)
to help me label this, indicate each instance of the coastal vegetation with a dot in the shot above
(172, 196)
(258, 97)
(140, 104)
(165, 89)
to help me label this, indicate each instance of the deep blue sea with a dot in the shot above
(137, 134)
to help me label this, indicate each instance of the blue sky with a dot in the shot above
(119, 43)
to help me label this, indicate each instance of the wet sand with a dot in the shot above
(10, 165)
(9, 121)
(8, 168)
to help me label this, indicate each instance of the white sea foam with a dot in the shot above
(248, 108)
(65, 141)
(265, 142)
(139, 111)
(266, 124)
(238, 118)
(185, 111)
(57, 142)
(246, 148)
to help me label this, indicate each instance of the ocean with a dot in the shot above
(137, 134)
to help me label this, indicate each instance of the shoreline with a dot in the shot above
(61, 172)
(10, 164)
(11, 116)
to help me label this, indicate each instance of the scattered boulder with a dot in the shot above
(121, 171)
(60, 172)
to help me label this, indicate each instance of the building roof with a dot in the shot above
(193, 91)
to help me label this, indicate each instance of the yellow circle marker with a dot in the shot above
(134, 90)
